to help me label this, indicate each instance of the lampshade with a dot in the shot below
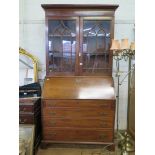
(115, 45)
(124, 44)
(118, 44)
(132, 46)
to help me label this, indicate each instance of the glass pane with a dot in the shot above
(61, 43)
(96, 43)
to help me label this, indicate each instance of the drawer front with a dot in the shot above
(25, 108)
(77, 112)
(79, 123)
(28, 105)
(104, 104)
(31, 101)
(78, 135)
(26, 119)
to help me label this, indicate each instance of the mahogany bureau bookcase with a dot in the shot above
(78, 99)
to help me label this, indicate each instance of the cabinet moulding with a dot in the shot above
(121, 21)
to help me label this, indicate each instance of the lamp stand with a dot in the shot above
(126, 144)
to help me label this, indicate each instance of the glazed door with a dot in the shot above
(95, 39)
(62, 45)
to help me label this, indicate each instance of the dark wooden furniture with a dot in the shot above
(30, 109)
(30, 113)
(78, 100)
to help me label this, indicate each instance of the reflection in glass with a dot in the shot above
(61, 41)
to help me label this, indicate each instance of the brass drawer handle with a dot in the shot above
(103, 114)
(104, 106)
(52, 123)
(104, 124)
(20, 120)
(51, 103)
(23, 109)
(52, 134)
(102, 136)
(54, 103)
(53, 113)
(78, 110)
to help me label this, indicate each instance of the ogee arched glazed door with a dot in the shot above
(95, 39)
(62, 45)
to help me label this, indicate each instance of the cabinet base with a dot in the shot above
(49, 144)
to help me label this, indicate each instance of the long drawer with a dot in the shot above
(78, 122)
(26, 119)
(104, 104)
(29, 105)
(27, 108)
(76, 112)
(77, 134)
(29, 118)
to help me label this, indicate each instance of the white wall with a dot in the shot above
(32, 35)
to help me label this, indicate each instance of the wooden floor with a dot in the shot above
(80, 149)
(77, 151)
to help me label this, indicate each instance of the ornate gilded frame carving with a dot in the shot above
(34, 60)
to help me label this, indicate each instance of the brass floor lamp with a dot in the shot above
(127, 53)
